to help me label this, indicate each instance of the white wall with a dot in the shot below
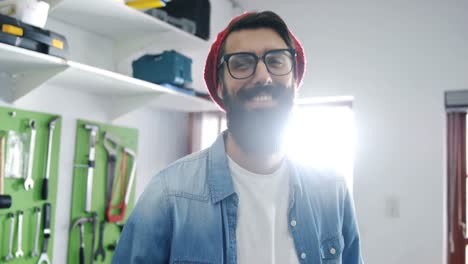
(396, 58)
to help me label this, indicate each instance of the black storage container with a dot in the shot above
(195, 10)
(17, 33)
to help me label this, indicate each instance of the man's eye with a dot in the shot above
(276, 62)
(240, 65)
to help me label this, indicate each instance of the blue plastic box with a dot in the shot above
(167, 67)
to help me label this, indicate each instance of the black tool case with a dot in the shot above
(17, 33)
(198, 11)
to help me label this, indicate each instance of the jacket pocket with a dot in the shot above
(331, 249)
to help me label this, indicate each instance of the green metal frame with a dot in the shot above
(128, 137)
(17, 120)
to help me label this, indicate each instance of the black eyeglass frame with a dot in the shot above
(226, 57)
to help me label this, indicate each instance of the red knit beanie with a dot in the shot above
(212, 61)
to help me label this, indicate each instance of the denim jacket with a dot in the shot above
(188, 214)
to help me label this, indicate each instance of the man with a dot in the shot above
(242, 200)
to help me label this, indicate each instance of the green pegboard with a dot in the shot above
(18, 120)
(128, 137)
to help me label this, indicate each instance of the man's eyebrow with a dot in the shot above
(253, 51)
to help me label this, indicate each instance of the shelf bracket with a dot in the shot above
(25, 82)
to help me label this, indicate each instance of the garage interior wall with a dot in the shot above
(396, 58)
(163, 135)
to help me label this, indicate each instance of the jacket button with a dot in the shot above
(332, 251)
(293, 223)
(303, 255)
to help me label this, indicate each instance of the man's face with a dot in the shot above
(257, 107)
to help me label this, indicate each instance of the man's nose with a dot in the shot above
(262, 76)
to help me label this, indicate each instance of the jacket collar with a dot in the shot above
(219, 177)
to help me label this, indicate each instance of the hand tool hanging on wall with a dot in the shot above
(45, 183)
(44, 258)
(35, 252)
(113, 211)
(93, 240)
(29, 182)
(93, 133)
(15, 155)
(100, 249)
(111, 144)
(5, 200)
(80, 222)
(122, 205)
(19, 236)
(9, 256)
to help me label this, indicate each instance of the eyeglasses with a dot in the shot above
(242, 65)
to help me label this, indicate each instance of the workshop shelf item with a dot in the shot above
(167, 67)
(145, 4)
(17, 33)
(198, 11)
(33, 12)
(185, 24)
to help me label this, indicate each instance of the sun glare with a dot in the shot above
(323, 137)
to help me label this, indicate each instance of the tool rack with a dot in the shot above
(27, 200)
(128, 137)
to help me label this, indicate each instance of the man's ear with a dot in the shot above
(219, 89)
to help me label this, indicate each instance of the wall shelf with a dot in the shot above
(27, 70)
(135, 30)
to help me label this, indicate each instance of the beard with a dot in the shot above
(258, 131)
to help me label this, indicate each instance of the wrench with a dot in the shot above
(44, 258)
(10, 242)
(29, 182)
(19, 235)
(45, 182)
(35, 252)
(100, 250)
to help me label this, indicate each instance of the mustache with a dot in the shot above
(249, 93)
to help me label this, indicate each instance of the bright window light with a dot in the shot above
(210, 129)
(323, 137)
(319, 135)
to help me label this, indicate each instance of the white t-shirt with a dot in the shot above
(262, 224)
